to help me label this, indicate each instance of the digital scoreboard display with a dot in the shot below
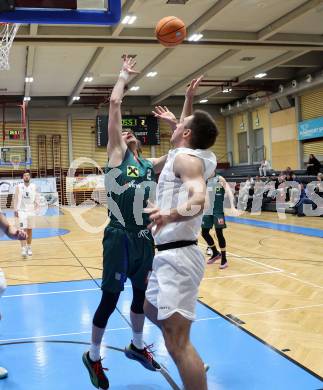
(145, 128)
(14, 134)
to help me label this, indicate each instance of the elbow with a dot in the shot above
(115, 102)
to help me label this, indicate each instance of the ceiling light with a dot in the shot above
(221, 109)
(281, 88)
(129, 19)
(229, 107)
(238, 104)
(29, 79)
(294, 83)
(227, 90)
(309, 78)
(260, 75)
(88, 79)
(27, 99)
(151, 74)
(204, 101)
(195, 37)
(76, 98)
(134, 88)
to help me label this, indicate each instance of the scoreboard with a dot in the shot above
(145, 128)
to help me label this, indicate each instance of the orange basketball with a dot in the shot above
(170, 31)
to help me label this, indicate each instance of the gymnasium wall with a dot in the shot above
(51, 121)
(284, 139)
(312, 107)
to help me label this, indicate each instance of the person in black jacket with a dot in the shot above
(313, 165)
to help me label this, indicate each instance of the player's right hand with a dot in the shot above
(16, 234)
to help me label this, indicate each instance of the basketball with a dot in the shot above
(170, 31)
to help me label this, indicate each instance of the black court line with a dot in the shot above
(263, 341)
(163, 370)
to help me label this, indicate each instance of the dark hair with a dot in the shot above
(204, 130)
(27, 171)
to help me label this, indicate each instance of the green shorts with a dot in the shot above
(217, 220)
(126, 254)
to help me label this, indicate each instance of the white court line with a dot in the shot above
(50, 293)
(256, 262)
(89, 332)
(55, 292)
(242, 275)
(278, 310)
(250, 260)
(304, 281)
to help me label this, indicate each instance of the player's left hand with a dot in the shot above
(164, 114)
(16, 234)
(158, 218)
(192, 88)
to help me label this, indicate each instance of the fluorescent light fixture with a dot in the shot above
(134, 88)
(27, 99)
(129, 19)
(227, 90)
(260, 75)
(221, 109)
(195, 37)
(151, 74)
(76, 98)
(204, 101)
(229, 106)
(88, 79)
(29, 79)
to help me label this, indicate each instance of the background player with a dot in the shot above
(215, 217)
(26, 203)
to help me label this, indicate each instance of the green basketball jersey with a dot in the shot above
(218, 193)
(128, 191)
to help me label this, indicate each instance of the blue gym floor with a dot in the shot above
(46, 327)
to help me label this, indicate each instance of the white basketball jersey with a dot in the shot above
(171, 192)
(26, 197)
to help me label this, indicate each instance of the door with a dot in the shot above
(259, 145)
(243, 150)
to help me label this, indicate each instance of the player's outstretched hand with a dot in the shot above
(192, 88)
(16, 234)
(164, 114)
(128, 65)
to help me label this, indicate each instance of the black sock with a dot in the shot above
(223, 258)
(214, 250)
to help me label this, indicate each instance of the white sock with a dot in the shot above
(137, 340)
(95, 352)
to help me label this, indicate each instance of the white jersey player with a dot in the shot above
(178, 267)
(26, 202)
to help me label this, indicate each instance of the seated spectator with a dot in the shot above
(313, 165)
(289, 174)
(264, 168)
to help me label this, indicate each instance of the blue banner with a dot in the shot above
(312, 128)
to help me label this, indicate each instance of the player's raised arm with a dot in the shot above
(116, 144)
(189, 97)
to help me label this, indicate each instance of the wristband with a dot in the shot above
(124, 75)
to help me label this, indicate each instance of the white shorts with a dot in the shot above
(174, 282)
(26, 219)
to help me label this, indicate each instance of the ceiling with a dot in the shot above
(240, 39)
